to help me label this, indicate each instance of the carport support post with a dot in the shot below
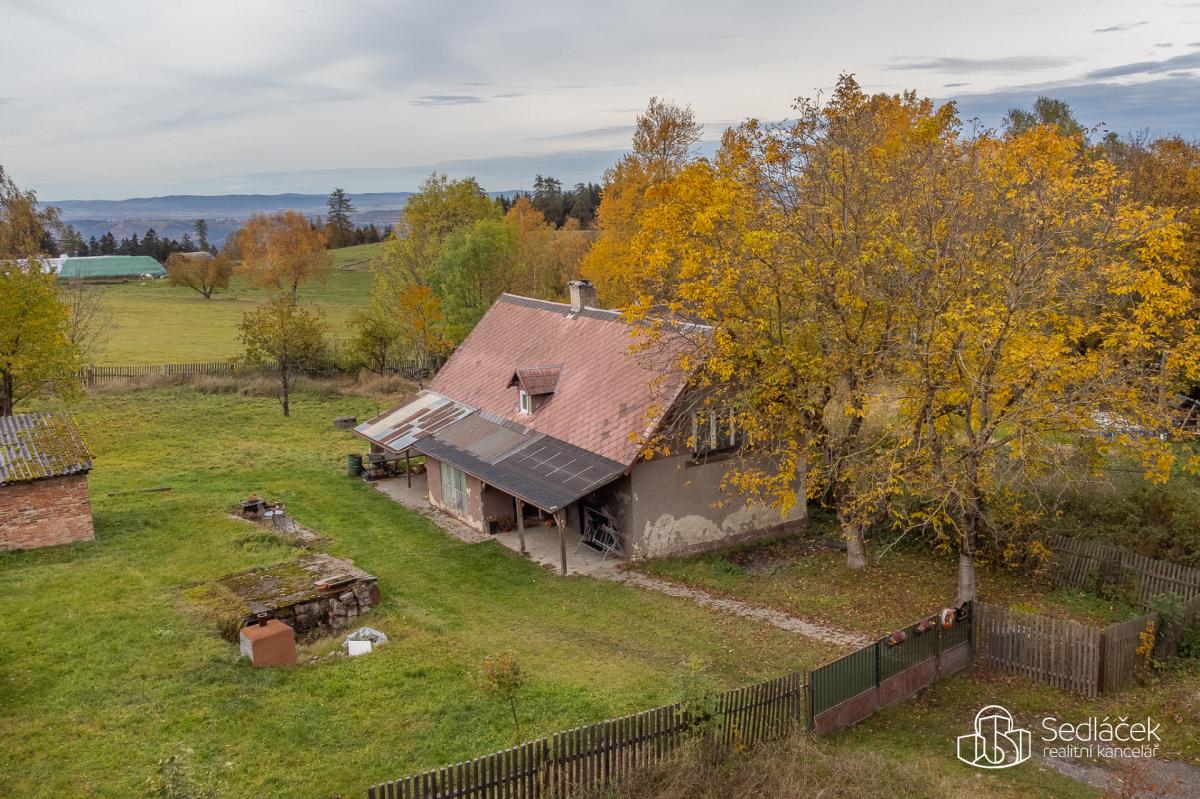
(408, 466)
(521, 524)
(562, 540)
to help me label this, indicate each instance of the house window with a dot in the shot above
(454, 489)
(525, 402)
(713, 431)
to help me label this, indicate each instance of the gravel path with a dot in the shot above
(795, 624)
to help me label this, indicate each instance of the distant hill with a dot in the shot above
(171, 216)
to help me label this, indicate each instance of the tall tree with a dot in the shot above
(1045, 111)
(341, 229)
(1048, 311)
(89, 318)
(786, 245)
(24, 225)
(664, 142)
(285, 336)
(479, 263)
(35, 349)
(201, 228)
(282, 250)
(201, 272)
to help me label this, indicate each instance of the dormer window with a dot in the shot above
(535, 386)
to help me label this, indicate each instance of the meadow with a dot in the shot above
(105, 669)
(154, 322)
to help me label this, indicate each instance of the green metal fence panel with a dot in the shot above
(845, 677)
(914, 650)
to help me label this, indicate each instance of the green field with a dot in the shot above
(103, 669)
(154, 322)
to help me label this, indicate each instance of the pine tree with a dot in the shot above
(151, 245)
(93, 246)
(201, 234)
(341, 229)
(108, 244)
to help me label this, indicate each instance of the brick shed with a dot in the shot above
(44, 464)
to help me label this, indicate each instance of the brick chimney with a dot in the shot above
(583, 295)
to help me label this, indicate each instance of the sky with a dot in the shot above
(116, 99)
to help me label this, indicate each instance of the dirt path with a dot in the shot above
(1149, 779)
(795, 624)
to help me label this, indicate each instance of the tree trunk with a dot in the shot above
(283, 398)
(856, 546)
(6, 395)
(966, 577)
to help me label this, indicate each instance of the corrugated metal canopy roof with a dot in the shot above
(536, 468)
(35, 446)
(398, 429)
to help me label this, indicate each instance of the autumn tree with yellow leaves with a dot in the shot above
(281, 251)
(923, 321)
(664, 143)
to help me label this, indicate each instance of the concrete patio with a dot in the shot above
(541, 542)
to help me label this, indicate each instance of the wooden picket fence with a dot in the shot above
(567, 762)
(1081, 658)
(1119, 644)
(1118, 573)
(1058, 652)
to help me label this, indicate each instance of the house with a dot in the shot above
(44, 464)
(541, 415)
(106, 267)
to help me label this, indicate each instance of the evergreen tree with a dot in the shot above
(341, 229)
(108, 244)
(135, 245)
(93, 246)
(185, 243)
(548, 198)
(201, 234)
(151, 245)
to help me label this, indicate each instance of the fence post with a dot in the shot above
(808, 702)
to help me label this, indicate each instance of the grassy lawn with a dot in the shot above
(158, 323)
(924, 730)
(103, 670)
(813, 582)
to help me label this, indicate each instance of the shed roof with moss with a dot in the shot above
(109, 266)
(36, 446)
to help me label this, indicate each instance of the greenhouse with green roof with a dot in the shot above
(108, 267)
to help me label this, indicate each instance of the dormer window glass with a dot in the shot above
(525, 402)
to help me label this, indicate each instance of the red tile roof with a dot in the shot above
(605, 395)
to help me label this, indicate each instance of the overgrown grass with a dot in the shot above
(800, 767)
(154, 322)
(805, 579)
(102, 672)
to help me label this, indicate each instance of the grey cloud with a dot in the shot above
(1164, 104)
(1124, 26)
(1005, 64)
(590, 133)
(1185, 61)
(954, 85)
(448, 99)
